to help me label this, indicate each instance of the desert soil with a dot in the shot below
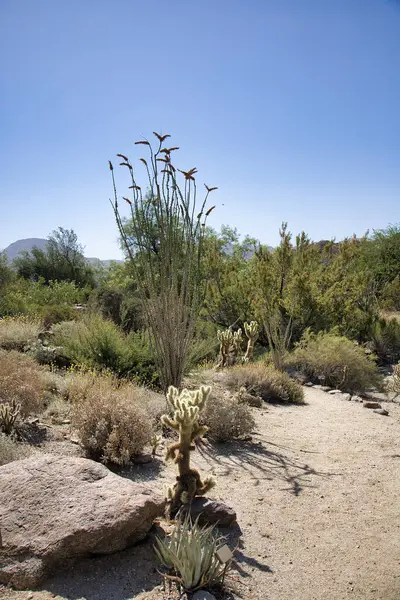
(317, 496)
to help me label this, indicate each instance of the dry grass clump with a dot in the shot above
(58, 410)
(10, 450)
(23, 380)
(265, 381)
(16, 333)
(110, 418)
(226, 419)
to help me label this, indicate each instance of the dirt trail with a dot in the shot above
(317, 494)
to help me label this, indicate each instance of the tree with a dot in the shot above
(62, 260)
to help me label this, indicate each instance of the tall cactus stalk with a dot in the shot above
(186, 406)
(251, 330)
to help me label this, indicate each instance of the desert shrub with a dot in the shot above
(56, 313)
(336, 361)
(265, 381)
(226, 419)
(23, 380)
(110, 419)
(95, 343)
(58, 410)
(10, 450)
(32, 298)
(16, 333)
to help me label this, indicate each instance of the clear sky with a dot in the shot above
(291, 107)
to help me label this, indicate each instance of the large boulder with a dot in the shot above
(56, 509)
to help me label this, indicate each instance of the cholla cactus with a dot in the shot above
(394, 385)
(9, 413)
(230, 346)
(251, 330)
(187, 406)
(237, 342)
(155, 442)
(225, 339)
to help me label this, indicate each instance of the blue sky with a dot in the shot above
(291, 107)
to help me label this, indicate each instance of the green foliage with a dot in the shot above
(37, 299)
(336, 361)
(265, 381)
(62, 260)
(96, 343)
(385, 339)
(227, 419)
(189, 555)
(6, 274)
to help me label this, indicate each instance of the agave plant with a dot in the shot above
(189, 554)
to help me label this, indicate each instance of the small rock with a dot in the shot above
(346, 397)
(308, 384)
(357, 399)
(203, 595)
(333, 392)
(212, 512)
(370, 404)
(381, 411)
(66, 422)
(74, 440)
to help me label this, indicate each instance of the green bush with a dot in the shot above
(385, 342)
(336, 361)
(265, 381)
(95, 343)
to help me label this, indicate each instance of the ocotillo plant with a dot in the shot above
(164, 242)
(251, 330)
(186, 406)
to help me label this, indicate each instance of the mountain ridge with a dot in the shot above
(26, 244)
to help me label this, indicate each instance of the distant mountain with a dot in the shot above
(15, 248)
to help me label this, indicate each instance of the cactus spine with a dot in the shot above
(186, 406)
(9, 413)
(251, 330)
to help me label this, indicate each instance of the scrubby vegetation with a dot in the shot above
(335, 361)
(22, 380)
(227, 419)
(265, 381)
(111, 419)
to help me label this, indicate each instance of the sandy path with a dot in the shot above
(317, 494)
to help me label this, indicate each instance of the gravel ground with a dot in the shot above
(317, 498)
